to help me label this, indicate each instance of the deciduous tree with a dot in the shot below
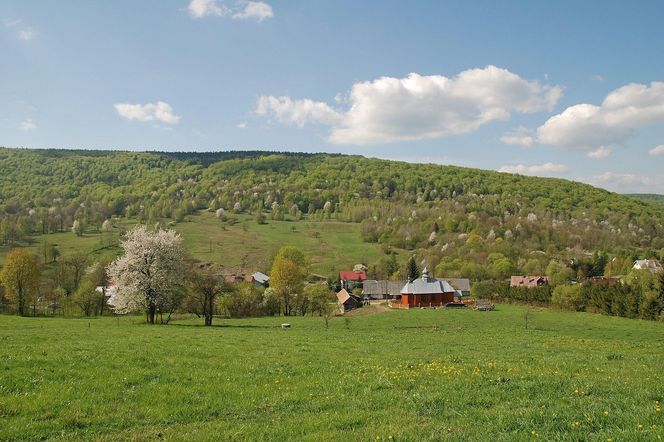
(20, 277)
(149, 274)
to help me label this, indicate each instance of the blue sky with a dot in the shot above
(568, 89)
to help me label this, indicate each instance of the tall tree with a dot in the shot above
(20, 277)
(412, 270)
(287, 276)
(149, 274)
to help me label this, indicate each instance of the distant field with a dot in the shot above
(246, 245)
(400, 375)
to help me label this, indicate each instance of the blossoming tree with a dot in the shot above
(149, 276)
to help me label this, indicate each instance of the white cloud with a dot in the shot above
(659, 150)
(600, 152)
(297, 112)
(243, 10)
(535, 169)
(242, 125)
(28, 125)
(588, 127)
(203, 8)
(597, 77)
(627, 182)
(26, 34)
(159, 111)
(520, 137)
(417, 107)
(258, 11)
(22, 32)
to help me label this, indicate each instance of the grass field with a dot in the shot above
(399, 375)
(246, 245)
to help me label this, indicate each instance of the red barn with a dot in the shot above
(426, 291)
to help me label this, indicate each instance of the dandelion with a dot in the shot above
(640, 426)
(606, 413)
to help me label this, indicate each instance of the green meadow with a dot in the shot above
(244, 245)
(391, 376)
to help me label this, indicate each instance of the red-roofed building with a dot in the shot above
(528, 282)
(350, 278)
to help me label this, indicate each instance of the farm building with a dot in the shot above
(426, 291)
(347, 301)
(350, 278)
(260, 279)
(528, 281)
(382, 289)
(652, 265)
(460, 285)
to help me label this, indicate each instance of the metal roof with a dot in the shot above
(426, 286)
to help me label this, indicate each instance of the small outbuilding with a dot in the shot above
(426, 291)
(651, 265)
(348, 302)
(528, 282)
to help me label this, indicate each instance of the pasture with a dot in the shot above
(398, 375)
(241, 246)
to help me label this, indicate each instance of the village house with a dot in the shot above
(347, 302)
(651, 265)
(528, 282)
(351, 279)
(426, 291)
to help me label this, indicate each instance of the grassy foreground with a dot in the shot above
(398, 375)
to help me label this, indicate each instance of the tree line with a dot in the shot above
(148, 277)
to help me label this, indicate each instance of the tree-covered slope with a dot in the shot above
(449, 215)
(648, 197)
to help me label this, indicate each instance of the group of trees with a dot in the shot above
(148, 277)
(640, 294)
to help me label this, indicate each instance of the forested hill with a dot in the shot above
(649, 197)
(440, 210)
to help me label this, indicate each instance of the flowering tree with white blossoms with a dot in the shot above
(150, 274)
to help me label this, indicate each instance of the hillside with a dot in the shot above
(452, 217)
(649, 197)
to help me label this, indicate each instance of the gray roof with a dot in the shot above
(382, 287)
(260, 278)
(426, 286)
(461, 284)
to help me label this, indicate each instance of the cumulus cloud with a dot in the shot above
(417, 107)
(242, 10)
(659, 150)
(28, 125)
(519, 137)
(258, 11)
(589, 127)
(204, 8)
(547, 169)
(297, 112)
(159, 111)
(600, 152)
(627, 182)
